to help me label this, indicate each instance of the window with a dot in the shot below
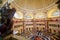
(56, 13)
(18, 15)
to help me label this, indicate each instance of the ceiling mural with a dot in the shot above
(28, 16)
(18, 15)
(40, 15)
(53, 13)
(56, 13)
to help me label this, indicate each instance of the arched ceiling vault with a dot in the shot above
(34, 5)
(39, 7)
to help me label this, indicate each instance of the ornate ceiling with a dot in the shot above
(34, 4)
